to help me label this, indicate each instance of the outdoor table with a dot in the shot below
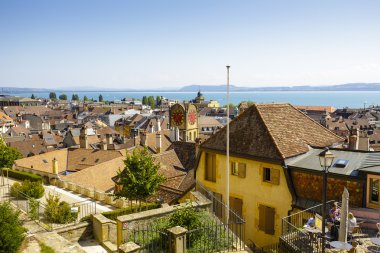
(376, 241)
(340, 245)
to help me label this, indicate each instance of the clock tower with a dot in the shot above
(185, 118)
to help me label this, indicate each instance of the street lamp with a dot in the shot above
(326, 159)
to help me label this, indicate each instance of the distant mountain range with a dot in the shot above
(209, 88)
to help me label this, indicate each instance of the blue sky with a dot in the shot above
(151, 44)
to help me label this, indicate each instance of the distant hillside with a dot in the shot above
(340, 87)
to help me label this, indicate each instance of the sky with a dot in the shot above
(153, 44)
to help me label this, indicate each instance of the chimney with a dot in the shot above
(151, 127)
(353, 143)
(83, 138)
(143, 139)
(158, 143)
(103, 146)
(109, 139)
(158, 125)
(55, 166)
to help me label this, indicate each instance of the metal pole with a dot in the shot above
(228, 148)
(324, 189)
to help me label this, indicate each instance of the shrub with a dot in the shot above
(33, 209)
(30, 189)
(57, 211)
(11, 231)
(133, 209)
(21, 175)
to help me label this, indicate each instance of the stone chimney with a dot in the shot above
(151, 127)
(158, 125)
(158, 143)
(83, 138)
(109, 139)
(353, 142)
(55, 166)
(143, 139)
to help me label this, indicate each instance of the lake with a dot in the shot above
(338, 99)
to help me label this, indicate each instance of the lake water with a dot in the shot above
(338, 99)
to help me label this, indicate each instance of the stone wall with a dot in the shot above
(104, 229)
(78, 232)
(309, 186)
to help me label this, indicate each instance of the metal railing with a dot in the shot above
(294, 238)
(36, 210)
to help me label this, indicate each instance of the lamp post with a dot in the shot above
(326, 159)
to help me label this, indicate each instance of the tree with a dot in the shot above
(11, 231)
(100, 98)
(85, 98)
(75, 97)
(63, 97)
(158, 100)
(140, 178)
(151, 102)
(32, 97)
(52, 95)
(144, 100)
(8, 155)
(57, 211)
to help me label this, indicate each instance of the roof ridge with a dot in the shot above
(269, 132)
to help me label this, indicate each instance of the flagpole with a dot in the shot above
(228, 148)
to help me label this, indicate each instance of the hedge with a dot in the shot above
(21, 175)
(133, 209)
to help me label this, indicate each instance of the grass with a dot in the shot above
(45, 248)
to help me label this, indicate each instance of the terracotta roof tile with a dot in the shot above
(272, 131)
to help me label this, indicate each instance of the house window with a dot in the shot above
(238, 169)
(373, 188)
(271, 175)
(266, 219)
(210, 167)
(234, 169)
(236, 206)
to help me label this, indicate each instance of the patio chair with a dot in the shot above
(353, 249)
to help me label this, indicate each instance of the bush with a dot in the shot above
(11, 231)
(57, 211)
(21, 175)
(31, 189)
(33, 209)
(134, 209)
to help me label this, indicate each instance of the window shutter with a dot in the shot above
(213, 167)
(275, 176)
(262, 210)
(241, 170)
(269, 220)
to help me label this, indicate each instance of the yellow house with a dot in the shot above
(262, 138)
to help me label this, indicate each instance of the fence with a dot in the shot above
(293, 238)
(212, 235)
(37, 210)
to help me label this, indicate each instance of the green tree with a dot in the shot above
(32, 96)
(140, 178)
(158, 100)
(57, 211)
(85, 98)
(63, 97)
(31, 189)
(75, 97)
(144, 100)
(151, 102)
(8, 155)
(100, 98)
(11, 231)
(52, 95)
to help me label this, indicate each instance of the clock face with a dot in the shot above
(192, 117)
(177, 117)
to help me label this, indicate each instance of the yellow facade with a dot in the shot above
(213, 104)
(253, 191)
